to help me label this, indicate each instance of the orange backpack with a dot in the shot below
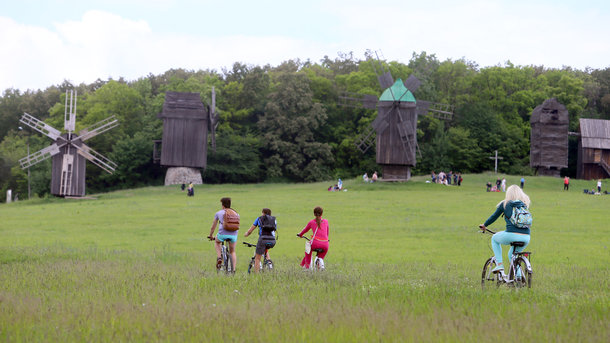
(231, 220)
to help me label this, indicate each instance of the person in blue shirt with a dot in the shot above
(267, 225)
(515, 197)
(522, 182)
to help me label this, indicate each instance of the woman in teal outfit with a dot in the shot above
(515, 197)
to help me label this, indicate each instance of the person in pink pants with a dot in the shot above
(320, 229)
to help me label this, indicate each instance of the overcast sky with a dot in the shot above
(45, 42)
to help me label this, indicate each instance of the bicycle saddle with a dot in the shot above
(517, 244)
(318, 250)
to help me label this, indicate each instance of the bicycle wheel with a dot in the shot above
(230, 268)
(488, 278)
(250, 266)
(269, 264)
(520, 274)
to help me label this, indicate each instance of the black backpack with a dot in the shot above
(267, 223)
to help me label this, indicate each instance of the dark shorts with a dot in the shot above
(264, 243)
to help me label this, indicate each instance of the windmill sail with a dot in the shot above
(98, 128)
(96, 158)
(40, 126)
(40, 155)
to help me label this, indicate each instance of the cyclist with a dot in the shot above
(223, 235)
(514, 198)
(266, 236)
(319, 240)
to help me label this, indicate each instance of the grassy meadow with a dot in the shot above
(404, 265)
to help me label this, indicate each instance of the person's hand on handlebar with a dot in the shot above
(482, 227)
(299, 236)
(211, 238)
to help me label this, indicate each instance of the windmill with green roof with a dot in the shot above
(394, 131)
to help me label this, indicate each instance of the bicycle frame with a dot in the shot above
(314, 264)
(227, 265)
(513, 277)
(265, 263)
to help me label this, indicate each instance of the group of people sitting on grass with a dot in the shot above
(373, 178)
(445, 178)
(267, 227)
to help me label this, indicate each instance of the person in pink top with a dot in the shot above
(320, 230)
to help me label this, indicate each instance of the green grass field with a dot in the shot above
(404, 265)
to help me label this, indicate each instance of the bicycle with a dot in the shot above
(266, 263)
(519, 270)
(227, 263)
(318, 263)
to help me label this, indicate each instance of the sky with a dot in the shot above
(43, 43)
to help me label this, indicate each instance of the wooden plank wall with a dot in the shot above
(390, 149)
(184, 142)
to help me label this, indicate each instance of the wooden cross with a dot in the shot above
(496, 158)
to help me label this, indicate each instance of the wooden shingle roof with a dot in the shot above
(595, 133)
(183, 106)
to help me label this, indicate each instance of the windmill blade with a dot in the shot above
(40, 155)
(358, 100)
(434, 109)
(70, 112)
(213, 124)
(96, 158)
(40, 126)
(412, 83)
(97, 128)
(381, 123)
(385, 80)
(383, 75)
(365, 140)
(213, 119)
(67, 169)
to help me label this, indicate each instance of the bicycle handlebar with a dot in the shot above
(486, 230)
(211, 238)
(304, 237)
(249, 244)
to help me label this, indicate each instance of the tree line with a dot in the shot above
(285, 123)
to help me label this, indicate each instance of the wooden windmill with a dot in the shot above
(68, 150)
(549, 138)
(394, 131)
(186, 122)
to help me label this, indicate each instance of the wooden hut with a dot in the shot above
(594, 149)
(185, 130)
(549, 138)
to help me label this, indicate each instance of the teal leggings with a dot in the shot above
(505, 238)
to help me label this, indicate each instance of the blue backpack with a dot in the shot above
(521, 217)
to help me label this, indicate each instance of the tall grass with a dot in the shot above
(404, 265)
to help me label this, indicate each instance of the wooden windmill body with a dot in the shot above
(549, 138)
(69, 151)
(186, 122)
(394, 130)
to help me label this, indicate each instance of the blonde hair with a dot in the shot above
(513, 193)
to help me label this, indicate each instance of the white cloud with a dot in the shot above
(102, 44)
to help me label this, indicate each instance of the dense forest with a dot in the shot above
(285, 123)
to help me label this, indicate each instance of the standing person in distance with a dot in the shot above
(522, 182)
(515, 197)
(266, 236)
(319, 239)
(599, 186)
(224, 234)
(566, 183)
